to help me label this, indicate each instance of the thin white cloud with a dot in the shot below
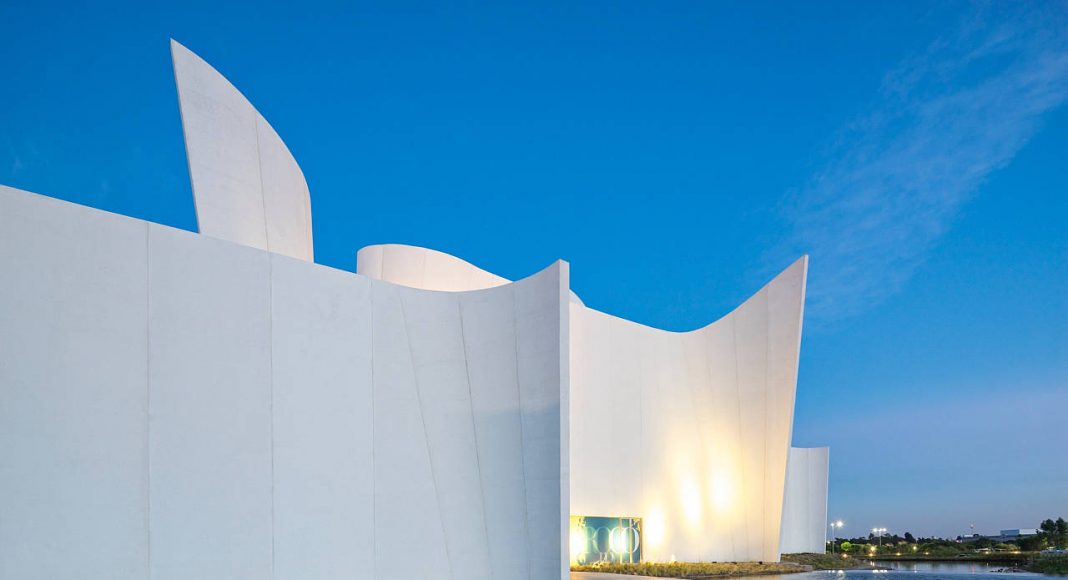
(897, 178)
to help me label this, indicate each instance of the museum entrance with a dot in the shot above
(596, 539)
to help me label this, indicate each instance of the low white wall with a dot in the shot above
(804, 517)
(423, 268)
(175, 406)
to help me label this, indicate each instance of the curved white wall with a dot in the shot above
(247, 186)
(689, 431)
(427, 269)
(804, 516)
(175, 406)
(423, 268)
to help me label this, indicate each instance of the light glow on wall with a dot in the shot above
(681, 421)
(655, 527)
(578, 540)
(722, 492)
(691, 501)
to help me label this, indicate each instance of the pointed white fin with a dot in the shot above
(247, 187)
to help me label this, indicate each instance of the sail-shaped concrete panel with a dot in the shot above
(247, 186)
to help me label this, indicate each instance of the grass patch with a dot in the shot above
(1049, 565)
(692, 569)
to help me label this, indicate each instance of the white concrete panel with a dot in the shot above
(468, 395)
(247, 186)
(409, 533)
(786, 296)
(804, 517)
(321, 367)
(403, 265)
(751, 344)
(437, 348)
(286, 200)
(210, 408)
(562, 357)
(490, 347)
(369, 262)
(73, 391)
(726, 486)
(539, 301)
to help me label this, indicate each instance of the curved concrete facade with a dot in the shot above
(804, 518)
(177, 405)
(247, 186)
(689, 431)
(428, 269)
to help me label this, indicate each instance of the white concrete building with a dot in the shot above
(179, 405)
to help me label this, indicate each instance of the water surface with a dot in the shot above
(899, 571)
(920, 571)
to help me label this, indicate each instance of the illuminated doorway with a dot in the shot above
(597, 539)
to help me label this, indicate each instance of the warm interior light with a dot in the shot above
(617, 541)
(578, 542)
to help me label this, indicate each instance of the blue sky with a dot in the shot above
(678, 155)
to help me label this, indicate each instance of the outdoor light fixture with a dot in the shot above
(835, 524)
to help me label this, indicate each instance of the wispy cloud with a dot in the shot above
(944, 119)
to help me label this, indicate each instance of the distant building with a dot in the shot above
(1018, 533)
(1003, 536)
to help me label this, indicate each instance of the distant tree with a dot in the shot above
(847, 546)
(1055, 533)
(910, 538)
(1032, 543)
(1048, 527)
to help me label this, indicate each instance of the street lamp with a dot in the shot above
(836, 524)
(879, 532)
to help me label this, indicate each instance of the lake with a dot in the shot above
(920, 571)
(900, 571)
